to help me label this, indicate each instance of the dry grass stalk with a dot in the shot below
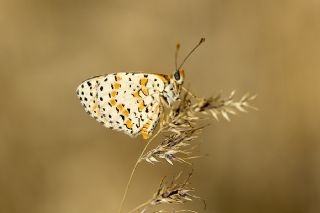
(173, 192)
(181, 127)
(225, 107)
(175, 147)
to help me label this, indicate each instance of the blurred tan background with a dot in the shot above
(55, 158)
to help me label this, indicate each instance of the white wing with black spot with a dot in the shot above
(128, 102)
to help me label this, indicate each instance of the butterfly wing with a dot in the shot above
(128, 102)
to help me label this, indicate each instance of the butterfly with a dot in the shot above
(131, 102)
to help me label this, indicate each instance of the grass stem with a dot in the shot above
(134, 169)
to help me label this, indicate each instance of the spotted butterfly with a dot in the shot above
(131, 102)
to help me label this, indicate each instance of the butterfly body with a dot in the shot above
(129, 102)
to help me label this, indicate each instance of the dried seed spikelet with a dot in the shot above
(187, 112)
(223, 106)
(172, 193)
(175, 147)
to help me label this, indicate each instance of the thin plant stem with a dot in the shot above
(140, 206)
(135, 167)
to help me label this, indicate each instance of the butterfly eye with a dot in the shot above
(177, 76)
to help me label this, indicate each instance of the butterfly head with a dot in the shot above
(173, 88)
(178, 76)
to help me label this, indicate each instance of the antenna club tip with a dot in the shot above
(202, 40)
(178, 45)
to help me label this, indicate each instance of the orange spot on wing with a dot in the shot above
(143, 81)
(113, 102)
(136, 94)
(145, 135)
(145, 126)
(116, 85)
(129, 124)
(120, 107)
(113, 93)
(125, 113)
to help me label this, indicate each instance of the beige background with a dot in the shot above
(54, 158)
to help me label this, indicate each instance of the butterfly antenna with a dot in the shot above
(176, 56)
(185, 59)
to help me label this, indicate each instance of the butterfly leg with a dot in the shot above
(190, 93)
(162, 117)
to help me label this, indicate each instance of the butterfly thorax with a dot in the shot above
(171, 92)
(172, 89)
